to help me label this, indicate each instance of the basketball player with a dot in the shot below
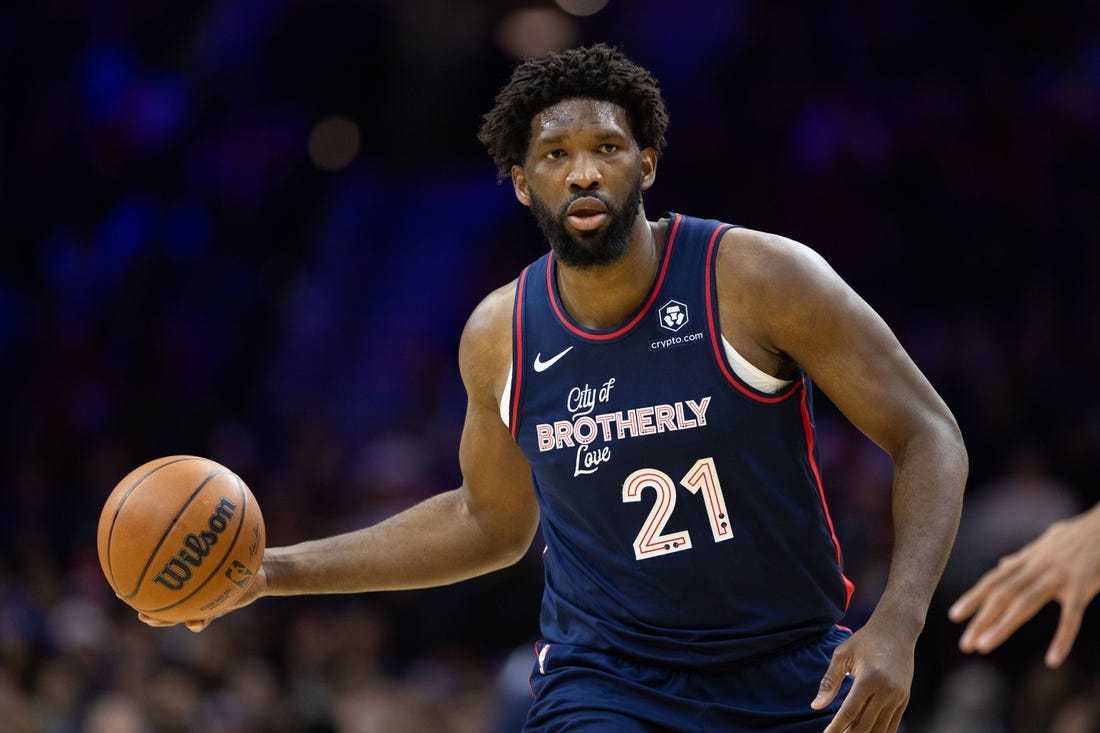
(642, 393)
(1062, 564)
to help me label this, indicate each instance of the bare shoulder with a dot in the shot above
(784, 305)
(772, 292)
(485, 351)
(771, 262)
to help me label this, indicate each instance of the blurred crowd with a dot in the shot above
(253, 230)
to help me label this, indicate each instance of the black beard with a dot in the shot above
(589, 249)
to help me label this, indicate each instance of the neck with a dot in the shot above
(603, 297)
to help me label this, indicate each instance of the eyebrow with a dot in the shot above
(556, 137)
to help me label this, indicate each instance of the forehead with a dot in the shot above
(579, 115)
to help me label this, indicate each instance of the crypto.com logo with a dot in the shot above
(673, 315)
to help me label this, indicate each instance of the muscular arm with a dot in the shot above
(787, 307)
(485, 524)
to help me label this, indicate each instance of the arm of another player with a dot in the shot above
(485, 524)
(791, 303)
(1062, 564)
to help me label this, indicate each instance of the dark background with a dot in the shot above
(195, 259)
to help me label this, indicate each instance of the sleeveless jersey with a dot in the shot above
(682, 510)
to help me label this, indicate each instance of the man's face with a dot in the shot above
(583, 179)
(588, 247)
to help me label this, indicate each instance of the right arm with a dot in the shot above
(485, 524)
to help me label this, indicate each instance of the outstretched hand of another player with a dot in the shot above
(1062, 564)
(256, 588)
(881, 661)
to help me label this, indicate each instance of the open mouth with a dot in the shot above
(586, 214)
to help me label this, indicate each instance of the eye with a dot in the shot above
(556, 154)
(608, 148)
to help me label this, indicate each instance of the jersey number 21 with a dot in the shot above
(701, 478)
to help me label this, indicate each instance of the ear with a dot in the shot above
(649, 168)
(519, 184)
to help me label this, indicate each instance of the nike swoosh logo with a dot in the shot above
(542, 366)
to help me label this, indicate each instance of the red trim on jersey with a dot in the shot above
(808, 429)
(604, 336)
(716, 337)
(517, 361)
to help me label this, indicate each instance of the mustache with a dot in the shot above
(611, 208)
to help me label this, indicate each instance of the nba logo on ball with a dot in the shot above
(197, 547)
(179, 537)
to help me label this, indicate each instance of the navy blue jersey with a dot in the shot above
(682, 509)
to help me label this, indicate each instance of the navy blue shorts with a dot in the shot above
(580, 690)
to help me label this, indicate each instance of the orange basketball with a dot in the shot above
(179, 537)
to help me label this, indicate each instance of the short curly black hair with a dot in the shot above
(593, 72)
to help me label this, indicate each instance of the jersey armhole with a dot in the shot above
(513, 388)
(751, 374)
(505, 398)
(742, 374)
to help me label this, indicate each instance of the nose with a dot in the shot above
(584, 174)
